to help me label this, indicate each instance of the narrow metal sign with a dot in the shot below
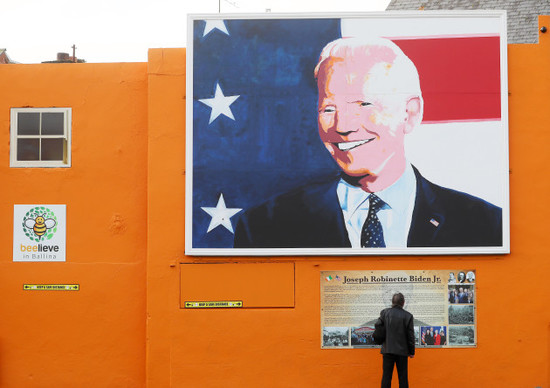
(51, 287)
(214, 304)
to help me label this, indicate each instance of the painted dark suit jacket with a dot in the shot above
(311, 217)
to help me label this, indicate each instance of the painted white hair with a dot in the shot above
(403, 77)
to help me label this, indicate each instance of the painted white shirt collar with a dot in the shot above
(395, 216)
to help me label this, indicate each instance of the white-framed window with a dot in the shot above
(40, 137)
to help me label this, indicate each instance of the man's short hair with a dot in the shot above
(404, 73)
(398, 299)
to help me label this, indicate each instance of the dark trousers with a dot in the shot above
(402, 370)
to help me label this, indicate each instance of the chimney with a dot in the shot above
(62, 57)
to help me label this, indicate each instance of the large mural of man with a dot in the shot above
(369, 100)
(326, 136)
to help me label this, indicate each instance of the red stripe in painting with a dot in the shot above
(460, 77)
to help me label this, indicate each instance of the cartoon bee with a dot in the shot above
(39, 225)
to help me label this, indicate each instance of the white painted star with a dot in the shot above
(214, 24)
(220, 104)
(221, 215)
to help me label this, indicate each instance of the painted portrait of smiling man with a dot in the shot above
(367, 100)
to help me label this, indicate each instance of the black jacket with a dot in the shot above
(311, 217)
(399, 325)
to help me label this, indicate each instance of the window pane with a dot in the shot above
(28, 123)
(52, 149)
(27, 149)
(52, 124)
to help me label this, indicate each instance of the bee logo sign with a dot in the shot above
(39, 232)
(40, 224)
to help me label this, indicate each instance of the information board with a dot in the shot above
(443, 303)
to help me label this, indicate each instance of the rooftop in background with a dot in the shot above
(522, 15)
(4, 59)
(65, 58)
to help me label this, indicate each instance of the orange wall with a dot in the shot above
(281, 347)
(94, 337)
(125, 247)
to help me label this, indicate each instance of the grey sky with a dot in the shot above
(33, 31)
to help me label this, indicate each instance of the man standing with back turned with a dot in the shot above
(399, 342)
